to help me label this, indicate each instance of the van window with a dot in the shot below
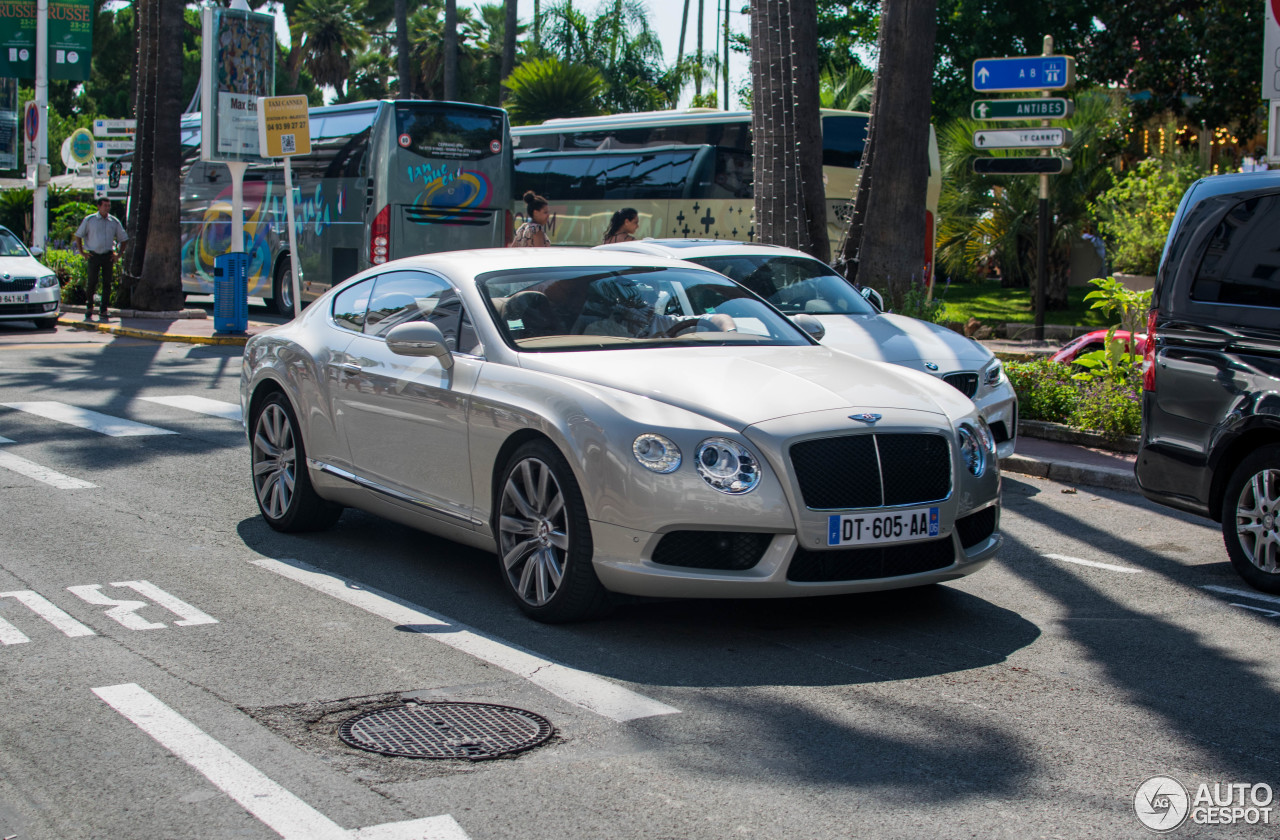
(1241, 263)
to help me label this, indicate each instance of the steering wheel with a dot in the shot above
(681, 326)
(714, 323)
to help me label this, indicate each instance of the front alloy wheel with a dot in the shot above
(1251, 519)
(280, 482)
(544, 539)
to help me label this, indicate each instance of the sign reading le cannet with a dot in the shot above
(284, 127)
(70, 39)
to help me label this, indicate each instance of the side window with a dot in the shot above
(350, 304)
(403, 296)
(1241, 263)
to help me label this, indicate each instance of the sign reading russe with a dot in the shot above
(284, 129)
(70, 39)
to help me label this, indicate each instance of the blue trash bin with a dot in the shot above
(231, 293)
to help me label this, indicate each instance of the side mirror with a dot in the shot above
(873, 297)
(811, 325)
(37, 251)
(419, 338)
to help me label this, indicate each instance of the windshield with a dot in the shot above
(453, 133)
(793, 284)
(11, 246)
(598, 308)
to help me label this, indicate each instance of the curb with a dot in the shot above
(1109, 478)
(153, 335)
(1061, 433)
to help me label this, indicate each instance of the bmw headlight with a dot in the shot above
(994, 374)
(48, 281)
(656, 452)
(728, 466)
(972, 450)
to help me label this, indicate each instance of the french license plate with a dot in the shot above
(868, 528)
(22, 298)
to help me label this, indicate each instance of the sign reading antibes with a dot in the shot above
(70, 39)
(238, 66)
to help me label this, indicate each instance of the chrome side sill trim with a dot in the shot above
(338, 472)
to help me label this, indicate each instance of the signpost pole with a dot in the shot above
(1042, 244)
(294, 272)
(40, 195)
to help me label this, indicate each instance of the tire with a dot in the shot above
(47, 323)
(544, 538)
(1251, 519)
(282, 290)
(281, 483)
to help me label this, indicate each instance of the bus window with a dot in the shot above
(843, 139)
(564, 176)
(662, 174)
(530, 174)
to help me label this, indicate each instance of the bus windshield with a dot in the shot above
(454, 134)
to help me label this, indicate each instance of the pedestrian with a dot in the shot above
(97, 238)
(622, 226)
(1099, 248)
(533, 233)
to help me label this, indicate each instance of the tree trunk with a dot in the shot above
(786, 127)
(140, 175)
(402, 49)
(451, 50)
(159, 287)
(884, 247)
(510, 26)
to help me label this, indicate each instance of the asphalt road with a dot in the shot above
(170, 667)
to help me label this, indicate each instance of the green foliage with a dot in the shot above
(65, 220)
(849, 89)
(1135, 212)
(1114, 298)
(15, 210)
(548, 88)
(1048, 391)
(1111, 364)
(917, 304)
(1114, 363)
(72, 272)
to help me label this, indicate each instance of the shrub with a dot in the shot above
(917, 304)
(1112, 408)
(1135, 213)
(65, 220)
(1045, 390)
(72, 272)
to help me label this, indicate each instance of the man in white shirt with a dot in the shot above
(97, 238)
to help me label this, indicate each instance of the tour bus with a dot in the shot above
(384, 179)
(687, 172)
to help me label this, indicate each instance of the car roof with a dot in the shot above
(483, 260)
(692, 249)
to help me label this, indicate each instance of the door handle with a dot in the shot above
(347, 367)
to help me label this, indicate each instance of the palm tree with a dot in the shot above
(786, 129)
(983, 215)
(451, 50)
(327, 34)
(511, 23)
(547, 88)
(848, 90)
(402, 49)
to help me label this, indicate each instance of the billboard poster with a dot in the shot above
(70, 39)
(239, 66)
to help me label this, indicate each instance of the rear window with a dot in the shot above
(451, 133)
(1241, 263)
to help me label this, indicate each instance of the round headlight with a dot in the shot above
(657, 453)
(986, 437)
(728, 466)
(972, 450)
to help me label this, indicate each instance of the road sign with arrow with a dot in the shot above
(1023, 138)
(1027, 72)
(1044, 108)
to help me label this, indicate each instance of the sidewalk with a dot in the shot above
(1063, 462)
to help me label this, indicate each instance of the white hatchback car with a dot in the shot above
(29, 289)
(797, 284)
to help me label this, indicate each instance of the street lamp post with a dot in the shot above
(40, 195)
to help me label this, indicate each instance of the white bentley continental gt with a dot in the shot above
(611, 422)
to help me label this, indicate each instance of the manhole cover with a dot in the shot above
(476, 731)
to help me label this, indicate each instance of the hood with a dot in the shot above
(741, 386)
(23, 267)
(900, 340)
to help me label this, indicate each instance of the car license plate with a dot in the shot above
(867, 528)
(13, 298)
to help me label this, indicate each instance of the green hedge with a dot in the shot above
(1046, 391)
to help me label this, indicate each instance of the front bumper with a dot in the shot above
(999, 407)
(38, 303)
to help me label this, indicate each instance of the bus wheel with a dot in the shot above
(282, 290)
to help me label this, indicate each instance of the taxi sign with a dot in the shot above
(284, 127)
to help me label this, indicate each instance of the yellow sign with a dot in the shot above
(284, 128)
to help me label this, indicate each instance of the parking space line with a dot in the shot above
(1094, 564)
(269, 802)
(94, 421)
(1243, 593)
(580, 688)
(200, 405)
(31, 469)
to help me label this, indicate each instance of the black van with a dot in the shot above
(1211, 372)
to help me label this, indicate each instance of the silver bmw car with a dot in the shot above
(615, 423)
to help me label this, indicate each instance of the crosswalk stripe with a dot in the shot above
(94, 421)
(202, 405)
(31, 469)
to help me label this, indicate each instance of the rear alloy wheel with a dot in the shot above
(544, 538)
(280, 481)
(1251, 519)
(282, 290)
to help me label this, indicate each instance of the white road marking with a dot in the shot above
(280, 810)
(1094, 563)
(580, 688)
(201, 405)
(190, 615)
(1266, 612)
(5, 440)
(10, 635)
(31, 469)
(1244, 593)
(94, 421)
(44, 608)
(124, 612)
